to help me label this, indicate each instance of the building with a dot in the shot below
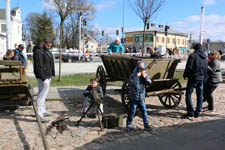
(155, 37)
(16, 29)
(91, 44)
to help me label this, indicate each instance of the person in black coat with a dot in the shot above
(44, 70)
(195, 71)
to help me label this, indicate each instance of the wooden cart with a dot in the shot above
(164, 85)
(16, 91)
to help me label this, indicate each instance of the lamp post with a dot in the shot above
(201, 25)
(79, 39)
(8, 24)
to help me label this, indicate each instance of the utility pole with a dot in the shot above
(8, 24)
(79, 39)
(201, 25)
(123, 23)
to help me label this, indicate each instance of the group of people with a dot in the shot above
(204, 75)
(43, 64)
(117, 47)
(18, 53)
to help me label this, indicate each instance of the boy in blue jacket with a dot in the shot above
(137, 82)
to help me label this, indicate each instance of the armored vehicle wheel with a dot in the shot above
(100, 74)
(171, 100)
(124, 96)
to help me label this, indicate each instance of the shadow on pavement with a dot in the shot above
(205, 135)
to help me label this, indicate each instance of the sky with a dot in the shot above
(181, 15)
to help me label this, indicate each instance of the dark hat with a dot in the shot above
(141, 65)
(198, 46)
(21, 46)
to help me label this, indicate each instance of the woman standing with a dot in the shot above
(215, 77)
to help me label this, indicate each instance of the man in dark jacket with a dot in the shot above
(44, 70)
(195, 71)
(19, 55)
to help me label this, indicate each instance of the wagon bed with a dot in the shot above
(164, 85)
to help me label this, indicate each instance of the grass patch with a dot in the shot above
(84, 79)
(179, 75)
(68, 80)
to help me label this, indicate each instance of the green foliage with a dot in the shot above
(40, 26)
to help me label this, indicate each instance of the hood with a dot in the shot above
(140, 65)
(200, 53)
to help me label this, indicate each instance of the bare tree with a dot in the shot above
(63, 8)
(146, 10)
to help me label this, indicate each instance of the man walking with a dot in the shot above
(44, 70)
(195, 71)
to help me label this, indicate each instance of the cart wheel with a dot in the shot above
(171, 100)
(100, 74)
(124, 96)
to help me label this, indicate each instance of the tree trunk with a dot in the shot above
(60, 48)
(143, 41)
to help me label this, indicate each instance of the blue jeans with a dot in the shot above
(198, 85)
(133, 105)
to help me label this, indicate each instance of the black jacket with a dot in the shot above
(197, 65)
(43, 64)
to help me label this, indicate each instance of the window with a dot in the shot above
(178, 41)
(174, 41)
(3, 28)
(168, 40)
(136, 39)
(162, 39)
(183, 42)
(149, 38)
(157, 39)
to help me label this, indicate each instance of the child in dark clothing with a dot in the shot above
(137, 82)
(89, 95)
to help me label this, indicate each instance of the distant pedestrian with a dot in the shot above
(9, 55)
(153, 53)
(138, 80)
(195, 72)
(214, 78)
(44, 70)
(30, 46)
(116, 47)
(19, 55)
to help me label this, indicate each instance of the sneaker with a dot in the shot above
(85, 116)
(44, 120)
(196, 115)
(46, 115)
(147, 128)
(130, 127)
(188, 117)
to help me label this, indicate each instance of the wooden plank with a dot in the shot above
(10, 63)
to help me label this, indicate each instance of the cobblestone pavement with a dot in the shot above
(20, 131)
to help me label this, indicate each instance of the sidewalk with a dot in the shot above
(198, 136)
